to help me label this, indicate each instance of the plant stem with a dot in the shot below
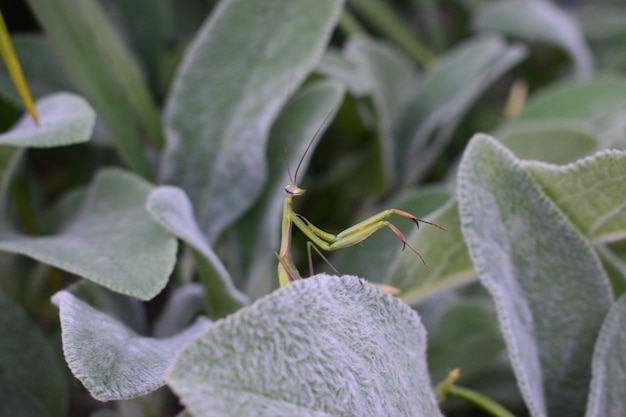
(479, 400)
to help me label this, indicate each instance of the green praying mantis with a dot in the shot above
(318, 238)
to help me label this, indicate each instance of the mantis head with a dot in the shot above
(294, 190)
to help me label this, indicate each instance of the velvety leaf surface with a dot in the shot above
(226, 94)
(550, 291)
(113, 240)
(171, 207)
(112, 361)
(608, 383)
(590, 192)
(127, 310)
(324, 346)
(538, 21)
(32, 382)
(65, 119)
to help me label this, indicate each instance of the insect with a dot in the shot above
(318, 238)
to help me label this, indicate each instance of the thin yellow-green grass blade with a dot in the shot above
(15, 70)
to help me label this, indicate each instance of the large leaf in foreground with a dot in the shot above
(110, 359)
(324, 346)
(228, 91)
(112, 241)
(550, 291)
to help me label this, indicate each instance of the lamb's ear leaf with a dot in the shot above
(111, 360)
(554, 141)
(222, 104)
(436, 104)
(538, 21)
(590, 192)
(323, 346)
(549, 288)
(171, 207)
(112, 241)
(65, 119)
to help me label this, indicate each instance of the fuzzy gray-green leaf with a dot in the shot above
(550, 291)
(112, 241)
(553, 141)
(538, 21)
(324, 346)
(171, 207)
(112, 361)
(226, 94)
(590, 192)
(65, 119)
(446, 93)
